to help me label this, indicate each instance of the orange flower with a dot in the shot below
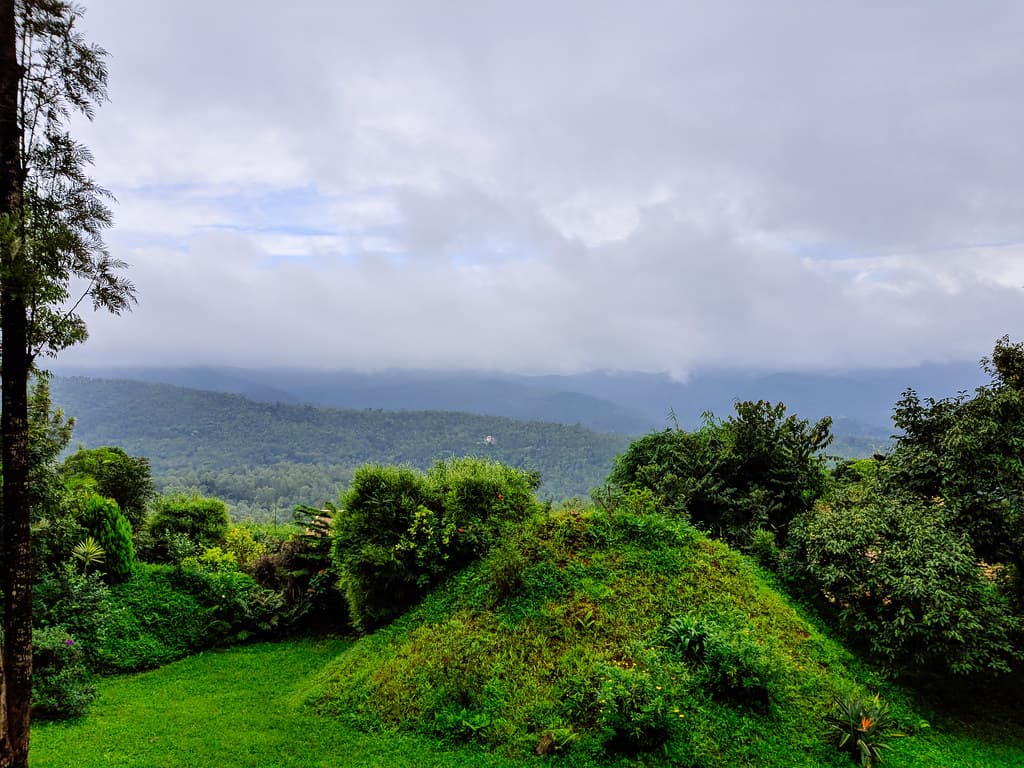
(865, 723)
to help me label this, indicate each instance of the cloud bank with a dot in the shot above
(530, 187)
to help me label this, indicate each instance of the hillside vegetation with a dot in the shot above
(595, 636)
(620, 401)
(219, 442)
(730, 597)
(264, 457)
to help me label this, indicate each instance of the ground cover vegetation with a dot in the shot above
(728, 597)
(609, 634)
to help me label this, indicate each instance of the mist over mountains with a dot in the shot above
(267, 439)
(630, 403)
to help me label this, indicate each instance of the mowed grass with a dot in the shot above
(244, 707)
(238, 708)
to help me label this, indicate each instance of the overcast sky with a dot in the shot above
(562, 186)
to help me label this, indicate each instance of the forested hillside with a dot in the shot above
(632, 403)
(262, 456)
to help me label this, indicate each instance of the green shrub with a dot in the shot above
(241, 543)
(737, 668)
(111, 472)
(56, 534)
(477, 499)
(732, 664)
(504, 570)
(80, 603)
(88, 553)
(62, 685)
(204, 521)
(153, 621)
(237, 607)
(303, 575)
(212, 560)
(112, 531)
(401, 531)
(686, 637)
(377, 577)
(633, 714)
(904, 583)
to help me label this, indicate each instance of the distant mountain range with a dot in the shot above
(271, 455)
(268, 439)
(860, 402)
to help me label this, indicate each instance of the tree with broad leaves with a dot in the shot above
(52, 259)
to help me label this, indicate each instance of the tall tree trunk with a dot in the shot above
(15, 538)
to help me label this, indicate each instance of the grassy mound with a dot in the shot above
(595, 637)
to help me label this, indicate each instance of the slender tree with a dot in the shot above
(52, 216)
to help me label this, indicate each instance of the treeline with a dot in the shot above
(215, 441)
(263, 494)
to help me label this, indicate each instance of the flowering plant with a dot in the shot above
(858, 727)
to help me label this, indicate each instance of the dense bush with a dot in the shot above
(153, 621)
(753, 471)
(920, 555)
(633, 714)
(165, 612)
(55, 535)
(241, 543)
(104, 522)
(400, 531)
(238, 608)
(80, 603)
(203, 521)
(55, 528)
(62, 685)
(731, 662)
(904, 583)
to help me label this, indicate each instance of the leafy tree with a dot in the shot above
(755, 470)
(969, 452)
(921, 554)
(116, 475)
(52, 215)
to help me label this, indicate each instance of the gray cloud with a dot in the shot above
(562, 186)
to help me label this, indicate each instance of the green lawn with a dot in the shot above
(243, 708)
(229, 709)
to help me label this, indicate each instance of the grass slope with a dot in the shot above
(557, 642)
(232, 709)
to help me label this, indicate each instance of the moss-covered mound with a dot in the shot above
(598, 637)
